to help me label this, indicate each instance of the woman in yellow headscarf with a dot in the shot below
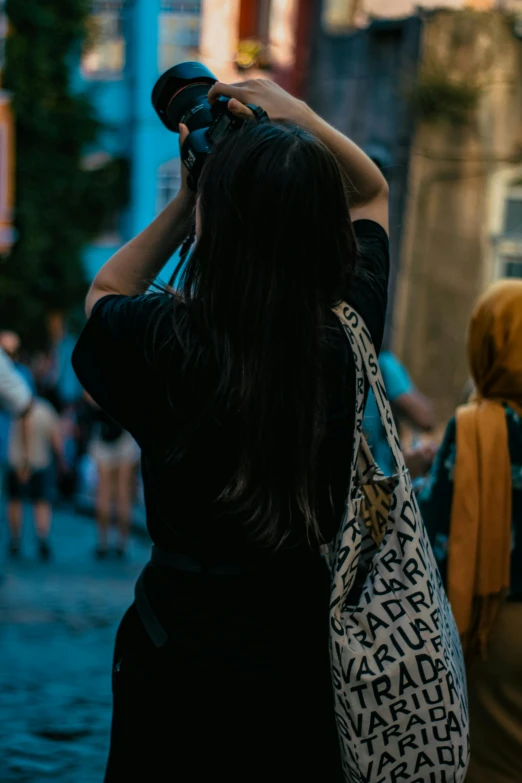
(472, 507)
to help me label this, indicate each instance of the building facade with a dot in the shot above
(462, 224)
(434, 95)
(131, 42)
(356, 82)
(456, 187)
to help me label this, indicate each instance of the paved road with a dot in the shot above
(57, 626)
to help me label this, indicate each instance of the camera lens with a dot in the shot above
(190, 106)
(180, 95)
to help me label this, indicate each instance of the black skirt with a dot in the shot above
(240, 691)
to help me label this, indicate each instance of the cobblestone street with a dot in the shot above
(57, 626)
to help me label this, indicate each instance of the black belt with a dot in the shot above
(178, 562)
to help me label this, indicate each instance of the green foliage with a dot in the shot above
(59, 205)
(435, 97)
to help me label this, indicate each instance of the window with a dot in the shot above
(338, 15)
(513, 212)
(104, 53)
(168, 183)
(513, 266)
(179, 24)
(509, 244)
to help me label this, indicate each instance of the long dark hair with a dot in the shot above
(275, 250)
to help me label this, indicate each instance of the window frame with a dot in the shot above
(98, 7)
(168, 182)
(172, 9)
(508, 245)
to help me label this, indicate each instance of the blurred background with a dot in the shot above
(432, 91)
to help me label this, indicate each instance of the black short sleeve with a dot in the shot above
(112, 359)
(369, 292)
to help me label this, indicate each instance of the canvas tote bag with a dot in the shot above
(396, 659)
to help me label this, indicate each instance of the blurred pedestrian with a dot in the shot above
(15, 392)
(58, 384)
(116, 455)
(410, 407)
(241, 394)
(61, 385)
(472, 507)
(15, 401)
(419, 459)
(11, 344)
(30, 475)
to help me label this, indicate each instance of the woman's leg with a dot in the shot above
(125, 479)
(103, 506)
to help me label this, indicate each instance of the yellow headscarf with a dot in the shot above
(480, 533)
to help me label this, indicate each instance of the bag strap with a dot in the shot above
(350, 333)
(361, 343)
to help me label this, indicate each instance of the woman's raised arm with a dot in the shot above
(368, 197)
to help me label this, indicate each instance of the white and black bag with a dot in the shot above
(396, 659)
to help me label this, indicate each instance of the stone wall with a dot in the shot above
(357, 84)
(447, 249)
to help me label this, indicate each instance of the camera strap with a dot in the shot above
(259, 114)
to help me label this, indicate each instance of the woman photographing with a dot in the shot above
(240, 391)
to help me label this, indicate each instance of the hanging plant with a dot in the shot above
(251, 54)
(436, 96)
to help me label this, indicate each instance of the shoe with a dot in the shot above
(101, 552)
(14, 547)
(44, 549)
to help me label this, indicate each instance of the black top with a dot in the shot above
(113, 362)
(239, 647)
(247, 625)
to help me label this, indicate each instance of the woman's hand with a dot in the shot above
(419, 459)
(278, 104)
(369, 189)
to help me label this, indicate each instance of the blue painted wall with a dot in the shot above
(132, 127)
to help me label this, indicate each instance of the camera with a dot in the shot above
(180, 96)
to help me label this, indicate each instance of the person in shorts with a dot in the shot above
(29, 474)
(116, 455)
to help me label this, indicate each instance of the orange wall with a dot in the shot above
(6, 173)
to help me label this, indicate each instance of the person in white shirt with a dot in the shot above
(15, 394)
(29, 475)
(15, 401)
